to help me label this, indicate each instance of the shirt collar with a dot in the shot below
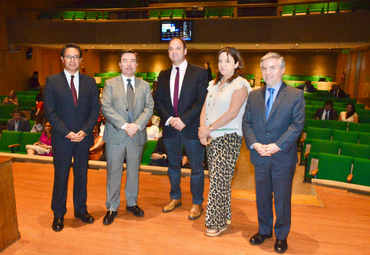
(68, 75)
(276, 88)
(182, 66)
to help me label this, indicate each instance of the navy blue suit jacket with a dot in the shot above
(62, 113)
(191, 99)
(24, 125)
(283, 127)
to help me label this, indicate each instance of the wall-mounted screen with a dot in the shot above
(176, 28)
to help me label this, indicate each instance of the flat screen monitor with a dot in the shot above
(176, 28)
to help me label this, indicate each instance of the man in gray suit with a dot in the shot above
(127, 105)
(272, 123)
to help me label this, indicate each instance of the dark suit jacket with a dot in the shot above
(333, 115)
(283, 127)
(310, 89)
(62, 113)
(191, 99)
(24, 125)
(340, 93)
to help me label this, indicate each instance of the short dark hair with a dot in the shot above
(127, 51)
(16, 110)
(329, 102)
(177, 38)
(35, 72)
(308, 82)
(71, 45)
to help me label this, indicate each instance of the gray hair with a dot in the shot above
(274, 55)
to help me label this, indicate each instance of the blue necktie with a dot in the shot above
(269, 103)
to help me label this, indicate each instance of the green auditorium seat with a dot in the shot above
(141, 75)
(355, 150)
(339, 105)
(364, 138)
(364, 119)
(333, 167)
(147, 151)
(363, 112)
(359, 106)
(361, 171)
(166, 14)
(308, 107)
(5, 112)
(227, 12)
(334, 124)
(80, 15)
(27, 138)
(309, 114)
(302, 9)
(69, 15)
(178, 13)
(91, 15)
(361, 127)
(362, 5)
(314, 133)
(213, 13)
(286, 77)
(155, 14)
(348, 100)
(346, 6)
(288, 10)
(309, 122)
(8, 140)
(345, 136)
(320, 103)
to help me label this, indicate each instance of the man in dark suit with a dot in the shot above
(307, 87)
(18, 123)
(327, 112)
(179, 99)
(127, 105)
(337, 91)
(272, 123)
(72, 108)
(209, 71)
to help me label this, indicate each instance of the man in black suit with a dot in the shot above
(72, 108)
(18, 123)
(307, 87)
(337, 91)
(272, 123)
(327, 112)
(179, 99)
(209, 71)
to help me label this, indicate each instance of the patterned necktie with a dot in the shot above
(269, 103)
(130, 100)
(73, 90)
(176, 91)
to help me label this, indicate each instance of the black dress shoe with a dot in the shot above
(136, 210)
(109, 217)
(259, 238)
(85, 217)
(281, 246)
(58, 224)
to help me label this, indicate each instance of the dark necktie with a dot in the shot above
(73, 90)
(176, 91)
(130, 100)
(269, 103)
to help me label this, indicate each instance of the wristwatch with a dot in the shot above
(210, 127)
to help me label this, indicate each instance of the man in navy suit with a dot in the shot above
(18, 123)
(272, 123)
(179, 100)
(72, 108)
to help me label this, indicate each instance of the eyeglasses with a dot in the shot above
(70, 57)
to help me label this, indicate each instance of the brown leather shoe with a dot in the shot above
(170, 206)
(195, 212)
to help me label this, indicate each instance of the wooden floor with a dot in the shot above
(342, 226)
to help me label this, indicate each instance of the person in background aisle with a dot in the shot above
(43, 146)
(178, 100)
(18, 123)
(11, 98)
(40, 101)
(337, 92)
(152, 131)
(307, 87)
(221, 131)
(350, 114)
(209, 71)
(272, 123)
(34, 81)
(97, 151)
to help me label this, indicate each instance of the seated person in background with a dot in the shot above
(34, 80)
(39, 123)
(350, 114)
(306, 87)
(152, 131)
(18, 123)
(43, 146)
(156, 120)
(337, 91)
(327, 112)
(159, 156)
(97, 151)
(40, 101)
(11, 98)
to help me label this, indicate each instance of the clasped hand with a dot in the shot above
(131, 129)
(203, 135)
(76, 138)
(266, 150)
(177, 123)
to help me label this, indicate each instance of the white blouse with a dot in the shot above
(218, 102)
(350, 119)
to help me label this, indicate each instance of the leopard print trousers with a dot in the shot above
(222, 154)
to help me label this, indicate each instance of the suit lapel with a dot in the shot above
(137, 89)
(281, 94)
(66, 88)
(262, 104)
(121, 88)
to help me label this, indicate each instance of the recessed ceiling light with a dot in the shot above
(144, 45)
(111, 45)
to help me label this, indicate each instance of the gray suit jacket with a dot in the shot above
(283, 127)
(115, 110)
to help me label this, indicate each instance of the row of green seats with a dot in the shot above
(75, 15)
(334, 124)
(336, 7)
(306, 78)
(323, 96)
(335, 104)
(296, 84)
(181, 13)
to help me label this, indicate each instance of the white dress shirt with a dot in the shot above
(76, 80)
